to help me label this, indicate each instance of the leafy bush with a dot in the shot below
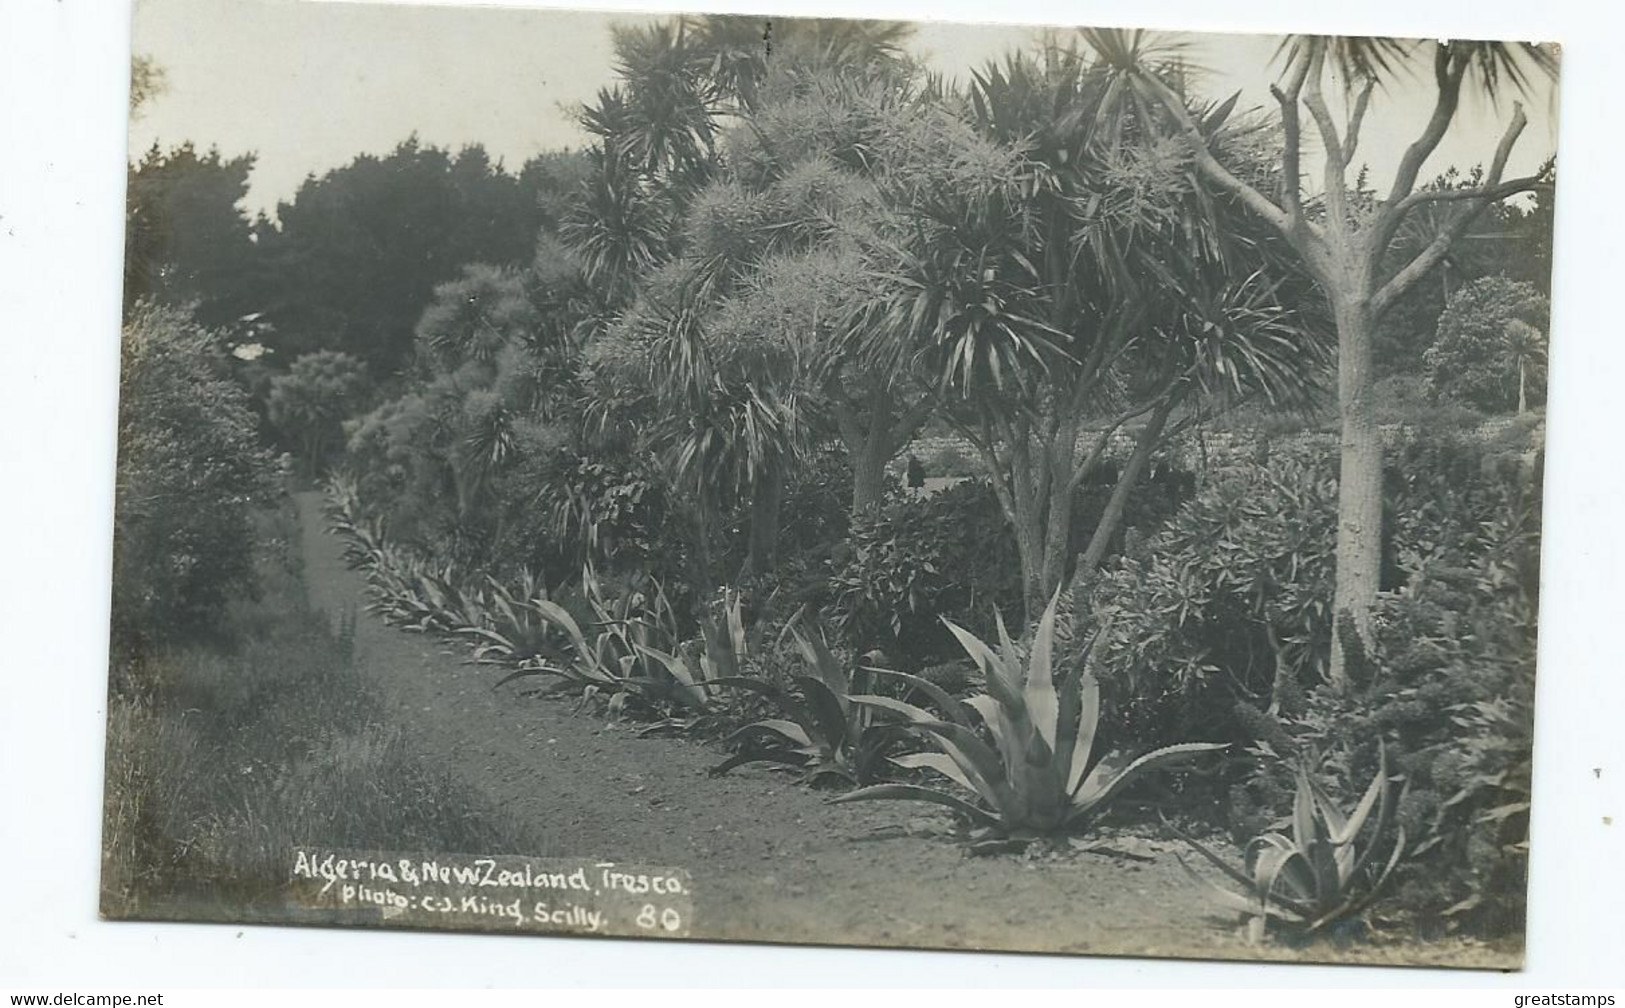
(560, 509)
(1451, 683)
(1491, 347)
(948, 554)
(1408, 400)
(1222, 620)
(190, 472)
(1231, 597)
(309, 403)
(952, 555)
(814, 522)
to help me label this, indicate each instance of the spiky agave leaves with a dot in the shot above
(1322, 873)
(691, 669)
(581, 666)
(633, 653)
(514, 631)
(1042, 775)
(823, 728)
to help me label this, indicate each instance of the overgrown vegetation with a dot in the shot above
(646, 425)
(225, 755)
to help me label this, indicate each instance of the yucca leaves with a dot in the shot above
(1039, 775)
(1322, 873)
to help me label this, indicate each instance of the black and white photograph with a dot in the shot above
(821, 481)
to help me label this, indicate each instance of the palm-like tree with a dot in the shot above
(1087, 278)
(1348, 247)
(726, 426)
(731, 393)
(621, 229)
(742, 53)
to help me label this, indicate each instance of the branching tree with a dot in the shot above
(674, 237)
(839, 153)
(1346, 244)
(352, 261)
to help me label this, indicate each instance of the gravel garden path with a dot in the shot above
(771, 861)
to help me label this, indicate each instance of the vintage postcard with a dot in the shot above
(844, 482)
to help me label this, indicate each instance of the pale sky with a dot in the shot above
(309, 85)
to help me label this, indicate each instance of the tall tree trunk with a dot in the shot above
(462, 480)
(1343, 251)
(873, 436)
(1112, 518)
(1026, 508)
(1359, 495)
(1061, 456)
(764, 525)
(869, 460)
(1030, 547)
(313, 453)
(699, 560)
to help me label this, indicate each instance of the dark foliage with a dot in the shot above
(559, 510)
(922, 558)
(814, 522)
(186, 239)
(354, 257)
(190, 472)
(951, 554)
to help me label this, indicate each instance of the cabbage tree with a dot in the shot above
(1346, 244)
(1070, 273)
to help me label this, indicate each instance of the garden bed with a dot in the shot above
(773, 861)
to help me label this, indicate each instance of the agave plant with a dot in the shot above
(721, 650)
(823, 728)
(1327, 870)
(634, 635)
(1041, 776)
(363, 537)
(582, 666)
(343, 494)
(515, 631)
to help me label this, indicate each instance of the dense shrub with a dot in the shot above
(1241, 579)
(561, 509)
(1409, 400)
(1490, 352)
(1452, 679)
(1237, 581)
(923, 557)
(190, 472)
(815, 518)
(952, 554)
(309, 403)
